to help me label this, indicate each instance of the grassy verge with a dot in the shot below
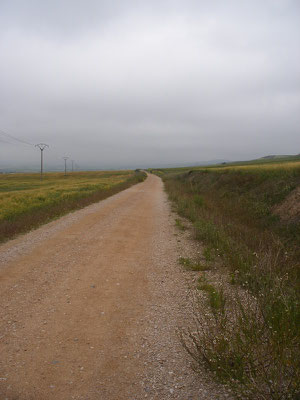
(27, 203)
(251, 345)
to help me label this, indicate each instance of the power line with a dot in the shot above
(4, 141)
(8, 135)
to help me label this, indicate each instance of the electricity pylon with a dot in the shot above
(65, 158)
(42, 147)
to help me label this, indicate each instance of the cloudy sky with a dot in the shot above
(135, 82)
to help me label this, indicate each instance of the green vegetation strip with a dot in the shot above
(26, 202)
(253, 346)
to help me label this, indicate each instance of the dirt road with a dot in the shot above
(90, 304)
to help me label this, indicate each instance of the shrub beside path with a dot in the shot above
(91, 304)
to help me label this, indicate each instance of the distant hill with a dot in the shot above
(274, 157)
(268, 159)
(190, 164)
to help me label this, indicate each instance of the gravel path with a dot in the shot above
(91, 305)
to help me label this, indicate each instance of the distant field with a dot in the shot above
(280, 164)
(269, 166)
(26, 201)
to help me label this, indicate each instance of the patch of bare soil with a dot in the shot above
(289, 209)
(91, 305)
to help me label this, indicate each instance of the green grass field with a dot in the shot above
(26, 201)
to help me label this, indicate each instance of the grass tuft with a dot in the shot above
(192, 265)
(179, 224)
(216, 296)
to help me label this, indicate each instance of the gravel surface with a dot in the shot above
(92, 304)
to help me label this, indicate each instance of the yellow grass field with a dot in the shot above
(267, 166)
(23, 193)
(256, 166)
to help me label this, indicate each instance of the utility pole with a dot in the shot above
(42, 147)
(72, 161)
(65, 158)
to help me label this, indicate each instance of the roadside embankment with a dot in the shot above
(243, 217)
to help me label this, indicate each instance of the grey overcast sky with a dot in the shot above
(145, 83)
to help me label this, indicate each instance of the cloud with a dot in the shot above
(150, 83)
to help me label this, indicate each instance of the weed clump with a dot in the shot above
(192, 265)
(216, 296)
(179, 224)
(236, 343)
